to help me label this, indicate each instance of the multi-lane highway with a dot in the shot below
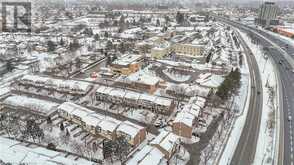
(282, 53)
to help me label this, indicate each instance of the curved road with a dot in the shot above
(245, 151)
(283, 58)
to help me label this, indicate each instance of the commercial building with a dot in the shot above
(191, 50)
(127, 64)
(140, 81)
(161, 50)
(188, 49)
(288, 32)
(268, 14)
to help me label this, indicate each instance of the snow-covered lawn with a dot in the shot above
(71, 143)
(176, 76)
(141, 115)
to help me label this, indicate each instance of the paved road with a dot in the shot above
(279, 53)
(245, 151)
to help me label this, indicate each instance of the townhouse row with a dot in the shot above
(187, 119)
(90, 121)
(63, 86)
(158, 152)
(139, 100)
(101, 125)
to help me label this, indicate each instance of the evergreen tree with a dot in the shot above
(122, 47)
(109, 45)
(67, 133)
(157, 22)
(51, 46)
(230, 85)
(96, 37)
(9, 66)
(180, 18)
(73, 46)
(61, 42)
(208, 57)
(49, 121)
(61, 126)
(78, 63)
(106, 35)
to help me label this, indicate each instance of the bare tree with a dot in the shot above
(207, 153)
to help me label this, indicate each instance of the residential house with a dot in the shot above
(101, 125)
(32, 105)
(167, 143)
(135, 99)
(134, 134)
(149, 155)
(187, 119)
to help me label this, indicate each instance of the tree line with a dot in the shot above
(230, 85)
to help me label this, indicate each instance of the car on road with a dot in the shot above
(293, 71)
(289, 118)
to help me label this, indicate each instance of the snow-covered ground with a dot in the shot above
(232, 129)
(176, 76)
(284, 38)
(266, 139)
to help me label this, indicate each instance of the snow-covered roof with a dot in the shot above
(109, 124)
(39, 106)
(132, 95)
(94, 119)
(127, 59)
(166, 140)
(163, 101)
(143, 78)
(190, 111)
(211, 80)
(147, 97)
(129, 128)
(58, 83)
(14, 152)
(89, 117)
(149, 155)
(162, 46)
(184, 117)
(34, 78)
